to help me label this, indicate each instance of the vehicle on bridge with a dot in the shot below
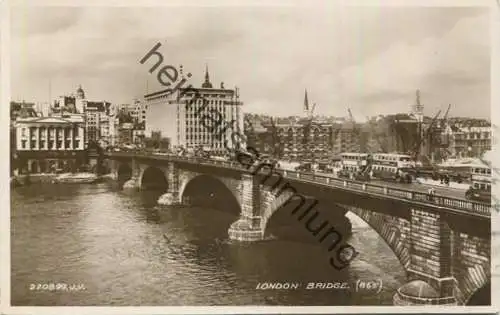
(325, 166)
(304, 167)
(480, 189)
(267, 159)
(353, 164)
(393, 167)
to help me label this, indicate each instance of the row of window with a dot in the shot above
(354, 157)
(485, 171)
(482, 186)
(382, 157)
(206, 95)
(51, 144)
(198, 129)
(216, 145)
(385, 168)
(202, 137)
(51, 131)
(485, 135)
(201, 102)
(350, 168)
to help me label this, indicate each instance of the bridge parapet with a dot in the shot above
(453, 204)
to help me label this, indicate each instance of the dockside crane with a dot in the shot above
(424, 136)
(445, 117)
(356, 129)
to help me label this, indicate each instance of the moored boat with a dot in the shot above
(78, 178)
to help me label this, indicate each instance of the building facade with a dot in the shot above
(470, 141)
(202, 122)
(48, 144)
(95, 113)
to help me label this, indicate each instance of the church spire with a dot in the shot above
(207, 83)
(306, 102)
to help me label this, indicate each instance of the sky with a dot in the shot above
(368, 59)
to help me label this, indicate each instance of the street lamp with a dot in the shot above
(469, 149)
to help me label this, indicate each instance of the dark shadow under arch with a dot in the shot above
(209, 192)
(284, 224)
(481, 296)
(153, 178)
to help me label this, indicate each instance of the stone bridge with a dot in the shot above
(442, 243)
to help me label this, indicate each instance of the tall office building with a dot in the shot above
(196, 118)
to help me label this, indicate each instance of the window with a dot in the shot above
(23, 144)
(23, 132)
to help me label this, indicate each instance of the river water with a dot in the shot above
(96, 245)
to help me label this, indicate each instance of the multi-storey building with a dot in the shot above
(94, 112)
(392, 133)
(470, 141)
(257, 135)
(303, 139)
(126, 133)
(139, 112)
(97, 122)
(194, 126)
(346, 137)
(47, 144)
(22, 109)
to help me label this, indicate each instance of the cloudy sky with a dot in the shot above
(370, 59)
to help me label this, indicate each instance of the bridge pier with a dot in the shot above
(430, 268)
(131, 184)
(248, 227)
(134, 182)
(172, 196)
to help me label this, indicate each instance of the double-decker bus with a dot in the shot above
(353, 164)
(393, 167)
(480, 189)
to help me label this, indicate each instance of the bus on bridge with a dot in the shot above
(393, 167)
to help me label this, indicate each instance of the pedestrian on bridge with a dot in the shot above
(447, 180)
(431, 192)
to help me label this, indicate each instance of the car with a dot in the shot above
(304, 167)
(343, 174)
(478, 194)
(362, 177)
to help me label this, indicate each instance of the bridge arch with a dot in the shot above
(153, 178)
(394, 231)
(124, 173)
(302, 216)
(209, 191)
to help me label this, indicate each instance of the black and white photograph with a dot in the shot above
(218, 153)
